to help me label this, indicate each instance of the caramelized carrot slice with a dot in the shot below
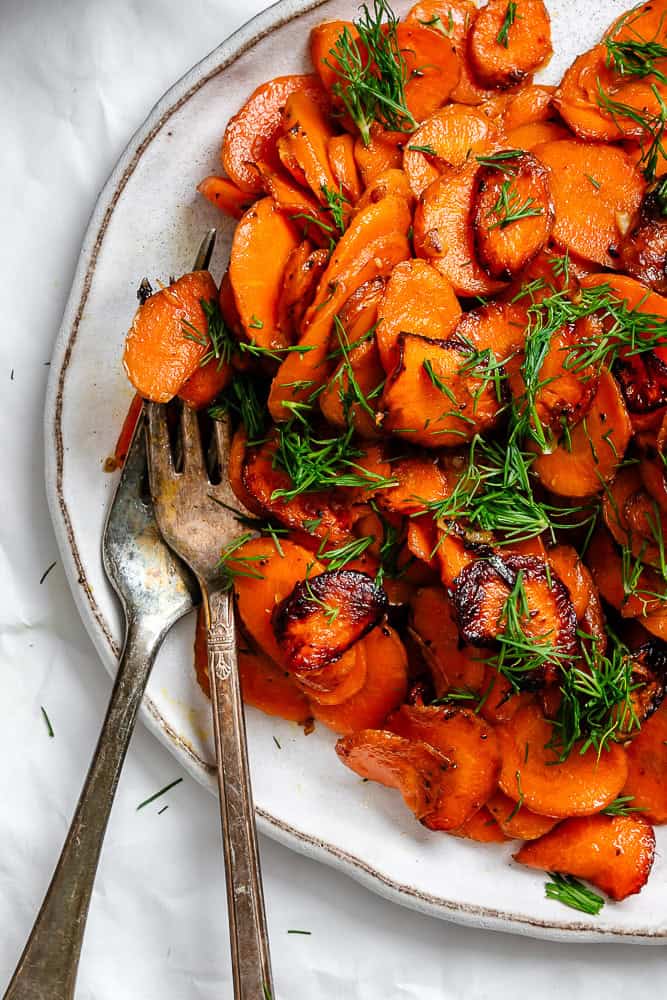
(263, 241)
(237, 457)
(303, 270)
(528, 106)
(264, 578)
(169, 337)
(388, 182)
(452, 664)
(432, 68)
(225, 195)
(117, 460)
(420, 481)
(323, 38)
(385, 687)
(499, 701)
(337, 681)
(418, 299)
(532, 774)
(298, 205)
(647, 768)
(324, 615)
(205, 383)
(518, 823)
(251, 135)
(261, 476)
(581, 466)
(308, 134)
(338, 401)
(444, 236)
(578, 97)
(589, 218)
(422, 541)
(570, 569)
(344, 167)
(647, 595)
(506, 44)
(448, 138)
(374, 243)
(469, 743)
(615, 853)
(430, 401)
(499, 327)
(530, 136)
(381, 152)
(414, 769)
(513, 215)
(455, 551)
(482, 828)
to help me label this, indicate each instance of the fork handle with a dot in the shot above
(251, 963)
(48, 966)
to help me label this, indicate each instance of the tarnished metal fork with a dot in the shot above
(194, 519)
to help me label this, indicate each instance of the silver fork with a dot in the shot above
(195, 521)
(156, 590)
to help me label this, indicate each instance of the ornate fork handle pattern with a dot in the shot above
(248, 933)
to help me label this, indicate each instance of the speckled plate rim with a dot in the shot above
(468, 915)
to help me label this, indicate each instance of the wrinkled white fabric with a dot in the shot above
(76, 79)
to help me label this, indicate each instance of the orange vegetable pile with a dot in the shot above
(442, 342)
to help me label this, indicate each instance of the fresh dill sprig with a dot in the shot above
(346, 553)
(372, 72)
(246, 398)
(509, 208)
(569, 891)
(425, 149)
(163, 791)
(47, 723)
(313, 462)
(597, 707)
(435, 22)
(510, 17)
(622, 806)
(502, 160)
(635, 56)
(337, 204)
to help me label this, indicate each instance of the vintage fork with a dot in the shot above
(196, 520)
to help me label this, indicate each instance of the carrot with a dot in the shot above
(443, 234)
(382, 152)
(531, 774)
(323, 38)
(499, 700)
(303, 270)
(615, 853)
(422, 541)
(447, 138)
(414, 769)
(344, 167)
(429, 401)
(375, 241)
(497, 326)
(421, 481)
(653, 471)
(339, 401)
(230, 314)
(265, 686)
(432, 68)
(237, 454)
(528, 106)
(274, 576)
(506, 44)
(518, 824)
(262, 243)
(641, 598)
(513, 215)
(418, 299)
(384, 689)
(482, 828)
(589, 217)
(337, 681)
(251, 134)
(261, 476)
(454, 552)
(452, 665)
(225, 195)
(169, 337)
(530, 136)
(469, 743)
(581, 466)
(205, 383)
(126, 434)
(453, 19)
(647, 768)
(298, 205)
(388, 182)
(569, 568)
(308, 134)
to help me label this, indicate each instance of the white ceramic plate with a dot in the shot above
(149, 221)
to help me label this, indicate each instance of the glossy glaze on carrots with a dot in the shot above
(442, 342)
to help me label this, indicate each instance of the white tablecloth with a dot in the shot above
(76, 78)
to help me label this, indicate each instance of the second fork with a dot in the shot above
(195, 520)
